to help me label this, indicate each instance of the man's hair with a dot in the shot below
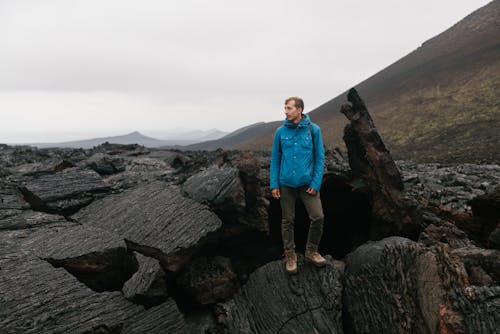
(299, 103)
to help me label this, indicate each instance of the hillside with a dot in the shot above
(438, 103)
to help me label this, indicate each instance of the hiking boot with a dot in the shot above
(315, 258)
(290, 262)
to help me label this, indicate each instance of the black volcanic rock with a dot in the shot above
(25, 219)
(161, 319)
(449, 185)
(486, 210)
(148, 285)
(105, 164)
(38, 298)
(233, 189)
(154, 219)
(381, 288)
(393, 213)
(96, 257)
(161, 249)
(396, 285)
(208, 280)
(218, 187)
(215, 186)
(64, 192)
(273, 302)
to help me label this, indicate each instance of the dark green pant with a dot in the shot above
(314, 210)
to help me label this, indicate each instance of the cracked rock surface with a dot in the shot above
(122, 244)
(273, 302)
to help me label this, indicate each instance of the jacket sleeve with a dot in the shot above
(275, 162)
(319, 159)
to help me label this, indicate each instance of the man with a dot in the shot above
(296, 172)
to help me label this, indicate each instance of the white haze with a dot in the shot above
(80, 69)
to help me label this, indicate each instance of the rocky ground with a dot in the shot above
(125, 239)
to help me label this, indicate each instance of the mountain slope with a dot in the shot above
(439, 103)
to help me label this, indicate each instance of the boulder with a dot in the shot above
(396, 285)
(218, 187)
(274, 302)
(381, 288)
(154, 219)
(105, 164)
(233, 190)
(64, 192)
(148, 285)
(208, 280)
(96, 257)
(38, 298)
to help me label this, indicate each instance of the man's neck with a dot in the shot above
(297, 121)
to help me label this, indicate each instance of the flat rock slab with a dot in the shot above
(64, 192)
(274, 302)
(154, 218)
(98, 258)
(18, 243)
(161, 319)
(48, 166)
(26, 219)
(38, 298)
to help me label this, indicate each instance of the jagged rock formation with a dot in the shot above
(369, 159)
(137, 240)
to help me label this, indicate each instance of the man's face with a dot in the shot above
(293, 114)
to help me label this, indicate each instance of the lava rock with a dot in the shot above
(486, 210)
(105, 164)
(64, 192)
(382, 289)
(164, 318)
(148, 285)
(96, 257)
(209, 280)
(218, 187)
(155, 219)
(396, 285)
(26, 219)
(38, 298)
(274, 302)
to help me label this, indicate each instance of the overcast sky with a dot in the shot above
(73, 69)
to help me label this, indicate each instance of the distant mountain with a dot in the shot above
(191, 135)
(439, 103)
(244, 133)
(136, 138)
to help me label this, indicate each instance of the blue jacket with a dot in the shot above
(294, 160)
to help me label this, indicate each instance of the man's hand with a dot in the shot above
(276, 193)
(311, 191)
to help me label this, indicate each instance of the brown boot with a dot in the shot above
(290, 262)
(315, 258)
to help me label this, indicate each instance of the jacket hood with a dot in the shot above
(305, 121)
